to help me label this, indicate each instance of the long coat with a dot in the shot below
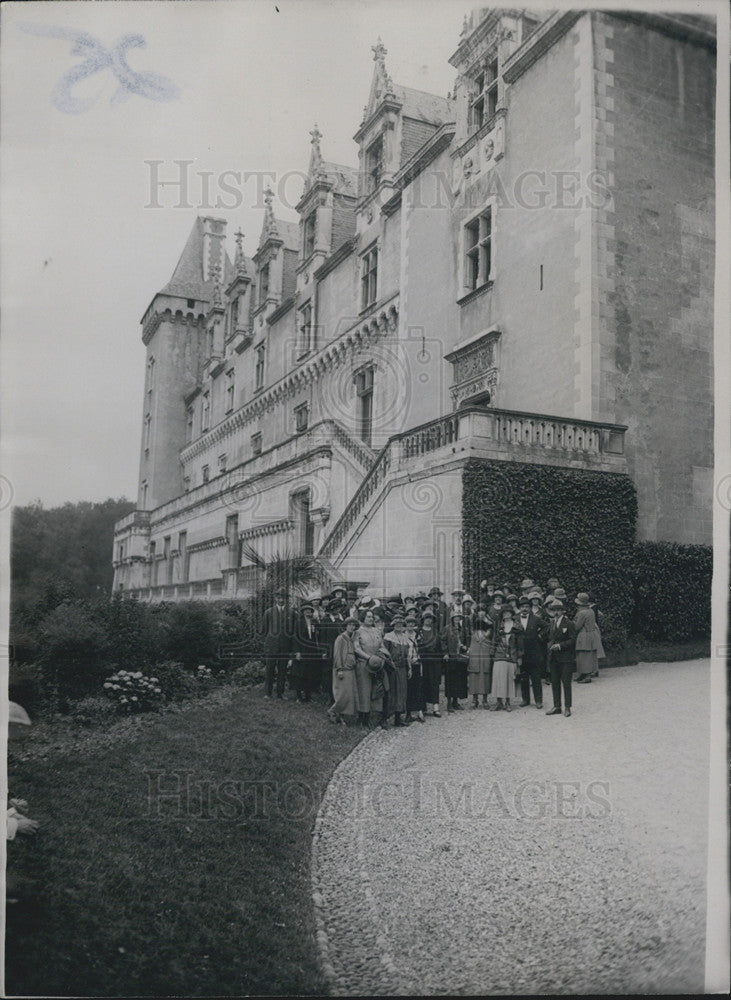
(587, 632)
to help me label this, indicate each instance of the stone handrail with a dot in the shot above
(489, 431)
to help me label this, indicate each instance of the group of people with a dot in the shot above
(388, 658)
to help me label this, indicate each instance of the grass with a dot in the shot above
(206, 893)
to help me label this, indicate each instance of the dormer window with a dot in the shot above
(263, 284)
(234, 315)
(374, 165)
(484, 102)
(308, 235)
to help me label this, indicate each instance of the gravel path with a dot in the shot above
(487, 852)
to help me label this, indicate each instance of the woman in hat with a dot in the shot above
(429, 650)
(506, 660)
(415, 697)
(402, 654)
(588, 640)
(455, 662)
(367, 643)
(478, 668)
(343, 674)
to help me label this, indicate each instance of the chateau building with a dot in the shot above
(521, 271)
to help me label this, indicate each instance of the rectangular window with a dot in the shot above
(308, 235)
(484, 100)
(143, 495)
(168, 560)
(153, 564)
(148, 426)
(301, 417)
(303, 526)
(230, 387)
(189, 424)
(183, 552)
(191, 303)
(206, 411)
(263, 284)
(206, 473)
(364, 391)
(369, 278)
(373, 165)
(256, 443)
(222, 463)
(304, 344)
(478, 262)
(259, 370)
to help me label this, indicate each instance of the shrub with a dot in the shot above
(133, 692)
(135, 637)
(175, 681)
(73, 653)
(92, 711)
(25, 685)
(252, 672)
(189, 634)
(672, 591)
(204, 679)
(542, 521)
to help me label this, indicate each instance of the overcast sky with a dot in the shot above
(82, 255)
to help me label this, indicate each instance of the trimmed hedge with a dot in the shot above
(541, 521)
(672, 591)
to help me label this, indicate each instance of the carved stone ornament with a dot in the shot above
(467, 166)
(489, 150)
(369, 214)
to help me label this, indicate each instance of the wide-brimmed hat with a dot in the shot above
(426, 613)
(397, 619)
(338, 590)
(560, 594)
(558, 605)
(367, 603)
(467, 598)
(435, 590)
(507, 610)
(526, 584)
(456, 614)
(524, 600)
(457, 591)
(582, 599)
(498, 593)
(511, 597)
(307, 607)
(375, 663)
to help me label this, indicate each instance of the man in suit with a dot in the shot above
(534, 631)
(308, 655)
(278, 631)
(440, 608)
(562, 661)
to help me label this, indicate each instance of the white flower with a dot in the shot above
(107, 684)
(134, 697)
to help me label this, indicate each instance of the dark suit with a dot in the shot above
(306, 670)
(534, 657)
(278, 630)
(562, 661)
(328, 629)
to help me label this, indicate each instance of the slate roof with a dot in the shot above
(187, 280)
(424, 106)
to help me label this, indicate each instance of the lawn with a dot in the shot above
(205, 891)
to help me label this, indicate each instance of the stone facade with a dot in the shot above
(539, 243)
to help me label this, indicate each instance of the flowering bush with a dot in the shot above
(133, 692)
(252, 672)
(205, 678)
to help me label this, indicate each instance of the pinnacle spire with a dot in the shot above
(240, 261)
(216, 274)
(270, 229)
(316, 162)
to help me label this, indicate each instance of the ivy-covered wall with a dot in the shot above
(541, 521)
(672, 600)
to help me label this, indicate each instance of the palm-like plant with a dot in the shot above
(294, 574)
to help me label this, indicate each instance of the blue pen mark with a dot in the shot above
(95, 58)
